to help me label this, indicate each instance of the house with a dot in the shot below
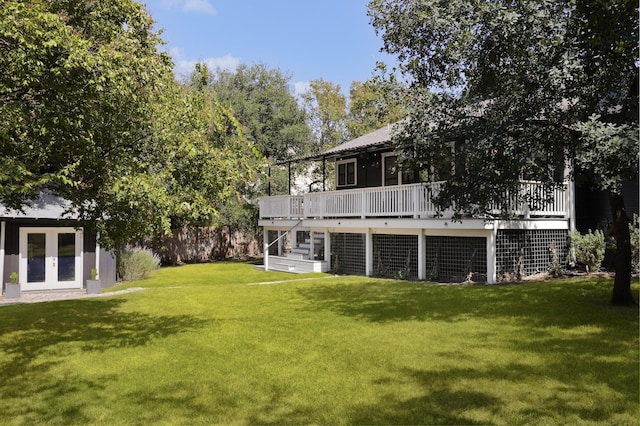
(49, 248)
(381, 222)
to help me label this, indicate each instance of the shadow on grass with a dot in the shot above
(34, 341)
(584, 346)
(445, 401)
(556, 303)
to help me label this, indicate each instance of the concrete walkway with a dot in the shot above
(49, 296)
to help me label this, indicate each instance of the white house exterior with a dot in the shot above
(375, 224)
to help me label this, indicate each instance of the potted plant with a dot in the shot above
(94, 286)
(12, 288)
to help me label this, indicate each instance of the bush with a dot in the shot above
(634, 230)
(136, 264)
(589, 248)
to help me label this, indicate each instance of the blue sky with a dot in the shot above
(310, 39)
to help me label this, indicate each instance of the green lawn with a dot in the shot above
(202, 345)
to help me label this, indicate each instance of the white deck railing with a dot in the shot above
(398, 201)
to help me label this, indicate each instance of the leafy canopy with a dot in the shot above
(520, 87)
(92, 113)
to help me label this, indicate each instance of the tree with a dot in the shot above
(268, 113)
(92, 113)
(326, 108)
(523, 88)
(372, 105)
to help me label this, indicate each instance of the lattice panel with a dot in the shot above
(520, 253)
(395, 256)
(456, 259)
(348, 253)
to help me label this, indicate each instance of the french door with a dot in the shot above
(50, 258)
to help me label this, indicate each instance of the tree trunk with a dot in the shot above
(622, 283)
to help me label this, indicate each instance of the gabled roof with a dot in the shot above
(46, 206)
(379, 137)
(376, 139)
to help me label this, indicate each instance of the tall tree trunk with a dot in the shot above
(622, 283)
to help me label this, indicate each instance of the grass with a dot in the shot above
(203, 346)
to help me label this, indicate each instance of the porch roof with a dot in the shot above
(376, 139)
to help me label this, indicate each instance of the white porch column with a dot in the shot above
(491, 255)
(280, 243)
(571, 204)
(265, 250)
(422, 253)
(2, 252)
(327, 247)
(369, 253)
(97, 258)
(312, 245)
(294, 237)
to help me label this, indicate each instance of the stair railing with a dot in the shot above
(268, 245)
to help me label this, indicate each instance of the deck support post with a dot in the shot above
(369, 253)
(422, 261)
(327, 247)
(491, 255)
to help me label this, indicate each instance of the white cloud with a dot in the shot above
(199, 6)
(184, 66)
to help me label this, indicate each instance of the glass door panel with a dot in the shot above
(36, 259)
(50, 258)
(390, 171)
(67, 257)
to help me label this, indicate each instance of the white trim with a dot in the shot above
(355, 173)
(50, 261)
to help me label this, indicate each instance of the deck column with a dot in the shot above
(491, 255)
(2, 251)
(369, 253)
(422, 261)
(327, 247)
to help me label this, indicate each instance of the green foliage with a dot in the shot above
(91, 112)
(516, 84)
(269, 117)
(13, 278)
(373, 105)
(634, 231)
(326, 111)
(136, 264)
(522, 90)
(589, 248)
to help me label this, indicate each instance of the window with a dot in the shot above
(346, 171)
(393, 175)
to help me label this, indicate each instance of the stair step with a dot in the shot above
(295, 255)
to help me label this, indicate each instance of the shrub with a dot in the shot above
(634, 230)
(589, 248)
(136, 264)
